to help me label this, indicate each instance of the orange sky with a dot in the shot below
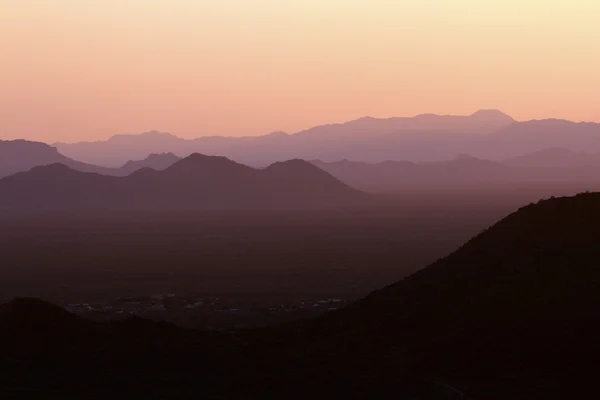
(74, 70)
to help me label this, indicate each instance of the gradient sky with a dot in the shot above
(73, 70)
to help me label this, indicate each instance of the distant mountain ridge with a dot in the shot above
(463, 172)
(373, 138)
(155, 161)
(481, 122)
(195, 182)
(22, 155)
(486, 134)
(550, 167)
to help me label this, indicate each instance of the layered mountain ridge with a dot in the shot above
(195, 182)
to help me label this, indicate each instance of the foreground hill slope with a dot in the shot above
(195, 182)
(517, 305)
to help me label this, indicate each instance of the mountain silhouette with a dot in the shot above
(464, 172)
(365, 139)
(211, 167)
(405, 175)
(511, 314)
(155, 161)
(481, 122)
(486, 134)
(537, 135)
(157, 137)
(121, 148)
(490, 117)
(195, 182)
(22, 155)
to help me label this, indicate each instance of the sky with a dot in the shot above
(79, 70)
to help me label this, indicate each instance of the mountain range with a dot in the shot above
(22, 155)
(487, 134)
(467, 172)
(552, 167)
(365, 138)
(513, 313)
(196, 182)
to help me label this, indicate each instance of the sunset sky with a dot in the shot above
(73, 70)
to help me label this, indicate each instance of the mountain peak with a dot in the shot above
(161, 157)
(52, 169)
(292, 165)
(202, 158)
(300, 170)
(491, 114)
(197, 162)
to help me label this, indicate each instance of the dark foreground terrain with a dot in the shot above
(289, 256)
(512, 314)
(229, 268)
